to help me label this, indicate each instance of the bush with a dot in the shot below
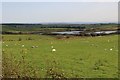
(17, 68)
(29, 38)
(20, 39)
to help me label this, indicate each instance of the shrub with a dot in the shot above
(29, 38)
(17, 68)
(20, 39)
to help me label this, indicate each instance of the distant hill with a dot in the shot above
(38, 27)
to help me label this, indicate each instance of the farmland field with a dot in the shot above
(86, 57)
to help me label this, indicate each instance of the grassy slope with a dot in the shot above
(76, 56)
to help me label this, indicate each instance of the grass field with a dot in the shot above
(86, 57)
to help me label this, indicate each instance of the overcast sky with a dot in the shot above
(37, 12)
(60, 0)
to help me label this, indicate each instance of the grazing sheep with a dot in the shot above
(53, 50)
(111, 49)
(23, 45)
(7, 45)
(33, 47)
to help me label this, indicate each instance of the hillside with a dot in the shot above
(40, 27)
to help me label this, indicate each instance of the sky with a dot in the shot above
(42, 12)
(60, 0)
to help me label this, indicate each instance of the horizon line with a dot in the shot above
(52, 22)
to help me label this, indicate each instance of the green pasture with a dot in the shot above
(86, 57)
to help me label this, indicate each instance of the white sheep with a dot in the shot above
(111, 49)
(53, 50)
(33, 47)
(7, 45)
(23, 45)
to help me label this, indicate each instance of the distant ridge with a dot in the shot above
(20, 23)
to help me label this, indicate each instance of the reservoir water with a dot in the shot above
(78, 32)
